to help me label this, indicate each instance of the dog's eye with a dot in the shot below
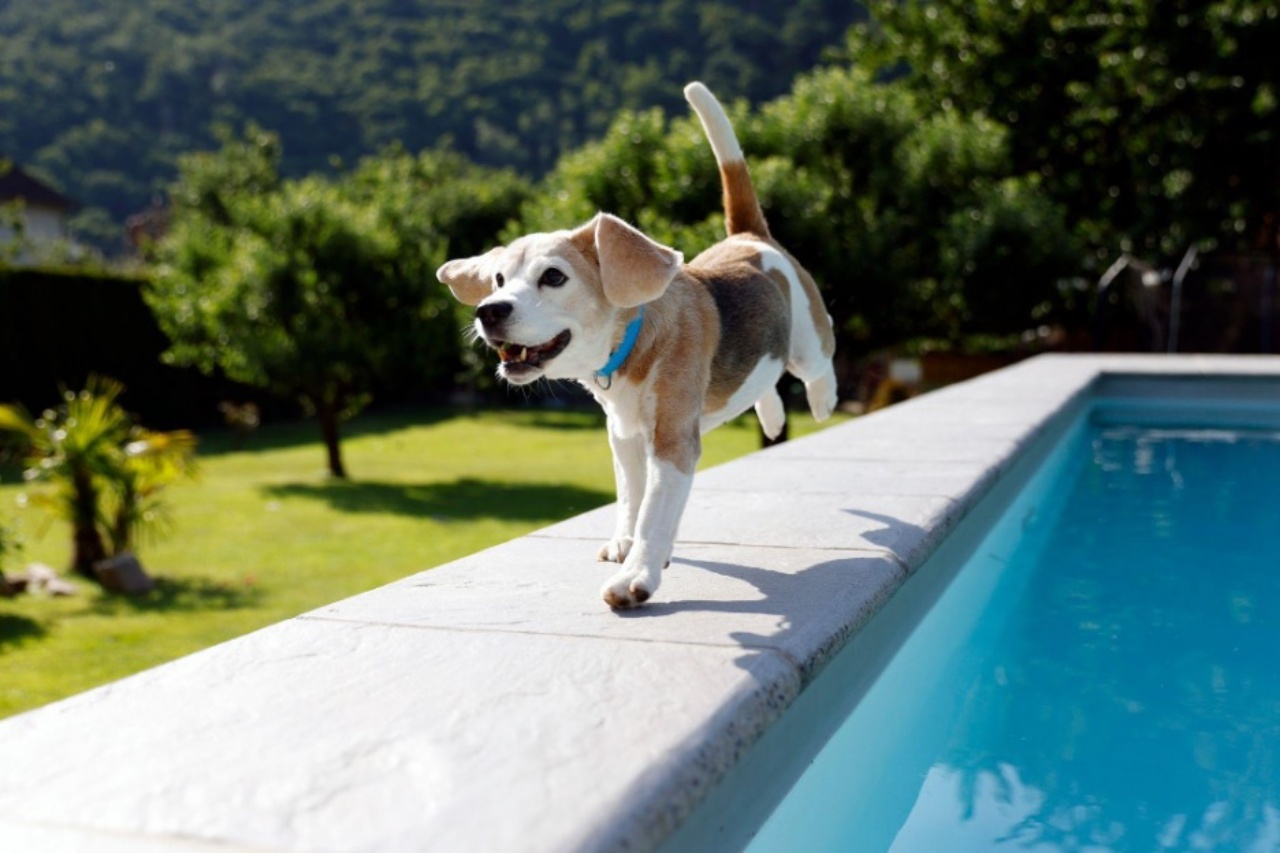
(499, 280)
(552, 278)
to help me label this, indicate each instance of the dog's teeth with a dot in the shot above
(524, 353)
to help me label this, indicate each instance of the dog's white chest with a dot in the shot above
(628, 407)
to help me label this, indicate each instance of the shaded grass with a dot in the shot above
(16, 630)
(189, 594)
(264, 534)
(465, 499)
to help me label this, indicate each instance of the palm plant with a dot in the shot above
(10, 546)
(151, 461)
(99, 472)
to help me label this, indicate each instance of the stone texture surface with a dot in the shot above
(795, 601)
(317, 735)
(31, 838)
(906, 527)
(495, 703)
(800, 475)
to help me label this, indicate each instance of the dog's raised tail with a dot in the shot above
(742, 211)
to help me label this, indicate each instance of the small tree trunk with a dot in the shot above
(327, 412)
(86, 540)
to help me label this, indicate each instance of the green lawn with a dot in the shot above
(263, 534)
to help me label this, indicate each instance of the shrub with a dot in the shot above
(92, 466)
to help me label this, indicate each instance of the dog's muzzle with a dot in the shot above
(521, 362)
(531, 357)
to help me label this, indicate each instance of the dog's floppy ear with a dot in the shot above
(633, 268)
(470, 279)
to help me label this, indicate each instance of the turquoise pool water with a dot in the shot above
(1102, 674)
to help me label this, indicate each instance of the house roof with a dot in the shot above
(17, 184)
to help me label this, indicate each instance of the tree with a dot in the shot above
(1154, 124)
(10, 547)
(319, 289)
(107, 105)
(907, 215)
(99, 471)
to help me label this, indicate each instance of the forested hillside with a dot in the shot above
(101, 96)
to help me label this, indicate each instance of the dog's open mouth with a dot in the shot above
(517, 358)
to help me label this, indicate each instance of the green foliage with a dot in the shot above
(214, 181)
(906, 215)
(656, 174)
(1153, 124)
(106, 97)
(59, 326)
(321, 289)
(151, 462)
(92, 467)
(10, 546)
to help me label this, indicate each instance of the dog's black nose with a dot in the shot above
(493, 313)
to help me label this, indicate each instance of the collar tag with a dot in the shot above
(604, 376)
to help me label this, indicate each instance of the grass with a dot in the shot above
(264, 534)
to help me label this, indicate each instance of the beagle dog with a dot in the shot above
(670, 350)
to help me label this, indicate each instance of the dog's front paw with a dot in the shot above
(615, 550)
(625, 590)
(633, 597)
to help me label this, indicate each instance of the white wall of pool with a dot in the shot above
(494, 704)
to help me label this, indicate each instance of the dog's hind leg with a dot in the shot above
(772, 414)
(810, 357)
(810, 362)
(820, 389)
(812, 335)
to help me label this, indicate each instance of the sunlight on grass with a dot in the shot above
(264, 534)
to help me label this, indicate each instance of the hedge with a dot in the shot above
(58, 327)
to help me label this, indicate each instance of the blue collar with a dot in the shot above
(604, 376)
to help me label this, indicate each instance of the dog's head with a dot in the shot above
(550, 303)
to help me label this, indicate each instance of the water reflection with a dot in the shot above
(1103, 678)
(997, 810)
(1133, 700)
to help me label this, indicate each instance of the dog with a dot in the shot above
(669, 350)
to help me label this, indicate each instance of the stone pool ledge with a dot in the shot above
(495, 704)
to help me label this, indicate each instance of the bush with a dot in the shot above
(58, 327)
(905, 213)
(92, 466)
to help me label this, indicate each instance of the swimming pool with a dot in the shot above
(1088, 663)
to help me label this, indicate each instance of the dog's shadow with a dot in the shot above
(795, 597)
(898, 537)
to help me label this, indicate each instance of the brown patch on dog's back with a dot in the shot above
(754, 320)
(728, 252)
(784, 287)
(754, 315)
(669, 332)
